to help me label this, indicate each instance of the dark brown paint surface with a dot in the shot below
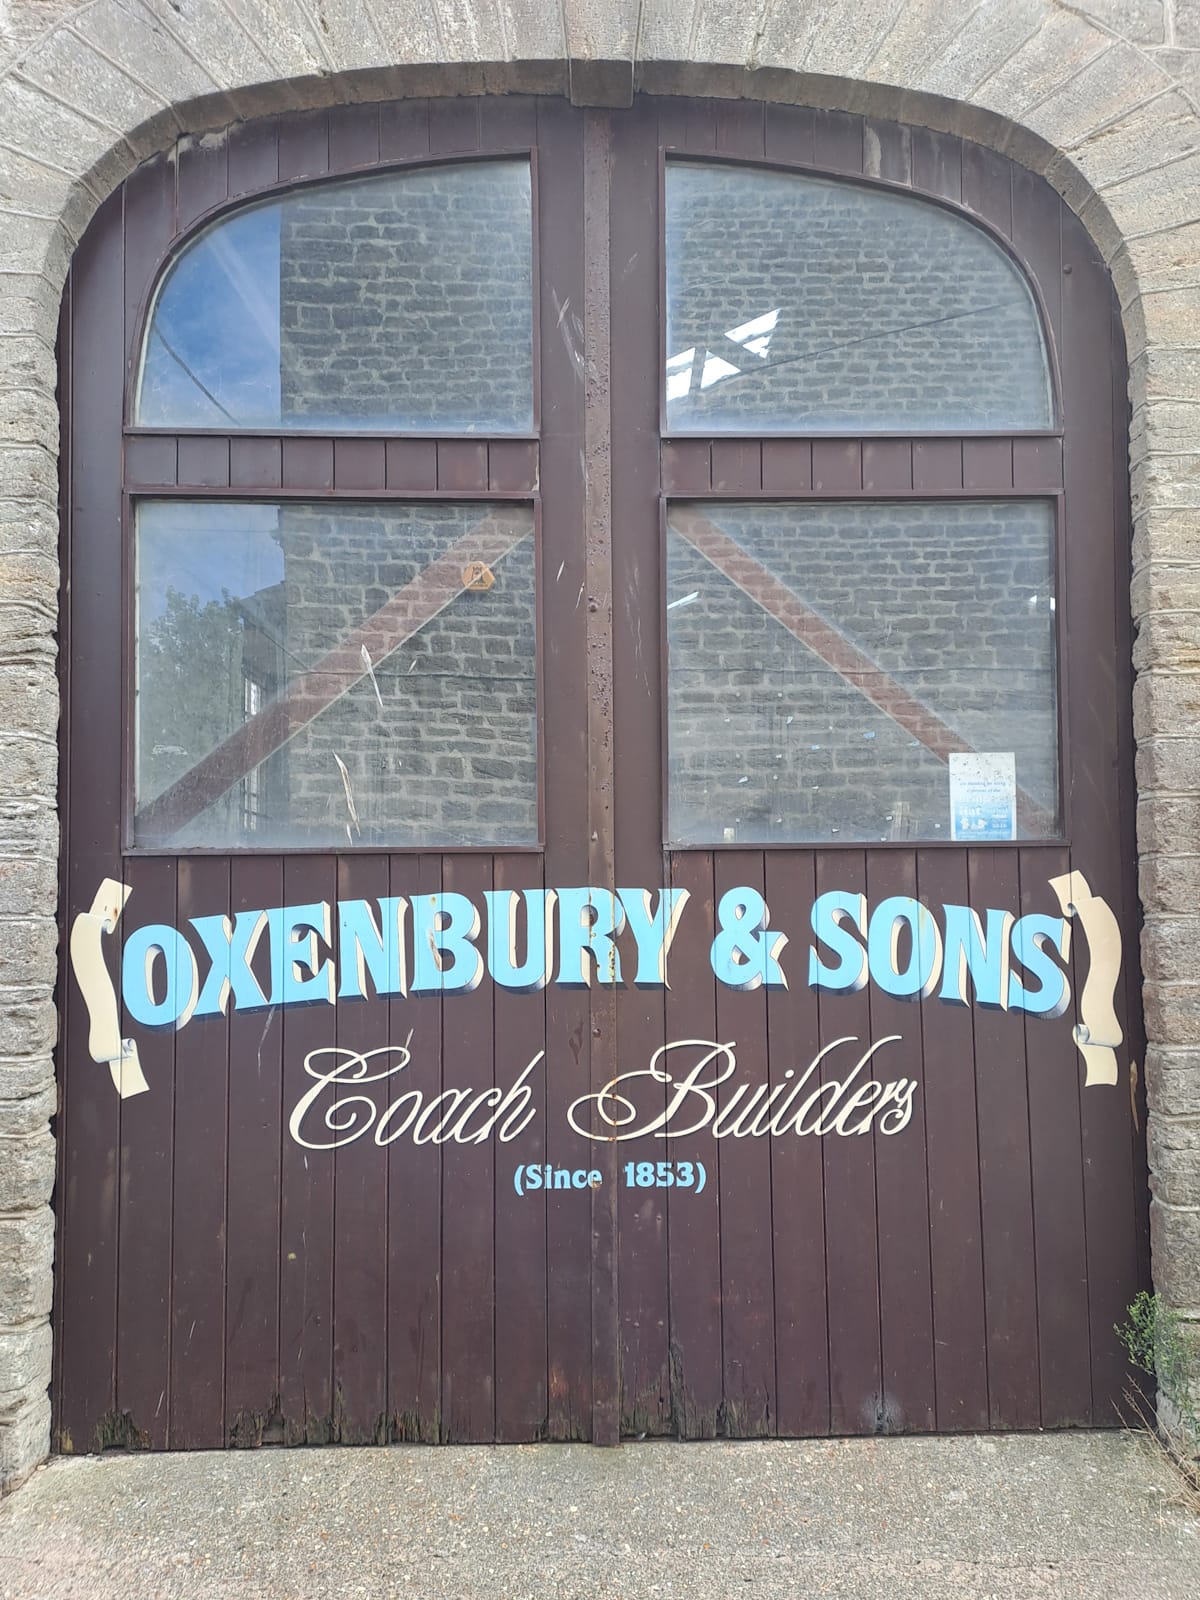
(220, 1285)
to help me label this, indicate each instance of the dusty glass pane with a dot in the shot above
(400, 302)
(332, 674)
(799, 304)
(827, 661)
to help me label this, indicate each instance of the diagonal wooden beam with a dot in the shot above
(337, 672)
(832, 647)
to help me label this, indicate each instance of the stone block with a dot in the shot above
(1165, 481)
(1171, 425)
(28, 701)
(1172, 1012)
(148, 46)
(1167, 535)
(28, 1023)
(24, 1365)
(598, 30)
(1167, 640)
(1113, 84)
(664, 33)
(24, 1441)
(26, 1259)
(32, 121)
(1170, 766)
(1159, 588)
(1187, 22)
(1174, 1145)
(1062, 45)
(1139, 21)
(25, 1077)
(1175, 1253)
(1173, 1081)
(996, 30)
(1165, 824)
(26, 1172)
(1169, 948)
(1169, 883)
(29, 765)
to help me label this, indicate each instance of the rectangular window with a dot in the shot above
(332, 674)
(827, 660)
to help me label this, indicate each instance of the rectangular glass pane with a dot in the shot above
(396, 302)
(335, 674)
(804, 304)
(826, 662)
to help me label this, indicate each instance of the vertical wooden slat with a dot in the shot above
(887, 466)
(303, 145)
(564, 739)
(150, 461)
(462, 464)
(1004, 1176)
(360, 1204)
(740, 128)
(512, 464)
(453, 126)
(308, 464)
(736, 466)
(468, 1201)
(851, 1233)
(253, 158)
(521, 1267)
(697, 1385)
(887, 149)
(204, 463)
(202, 178)
(988, 464)
(359, 464)
(836, 466)
(747, 1285)
(411, 464)
(952, 1162)
(686, 466)
(353, 137)
(403, 130)
(147, 1174)
(797, 1167)
(414, 1216)
(1096, 690)
(90, 1130)
(198, 1247)
(786, 466)
(838, 141)
(306, 1181)
(252, 1218)
(789, 134)
(149, 227)
(1056, 1162)
(987, 186)
(901, 1184)
(507, 122)
(937, 465)
(637, 781)
(937, 163)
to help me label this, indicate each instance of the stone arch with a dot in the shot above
(1101, 98)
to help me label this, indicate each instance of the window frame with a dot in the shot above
(711, 465)
(259, 465)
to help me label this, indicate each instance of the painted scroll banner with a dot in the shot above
(105, 1043)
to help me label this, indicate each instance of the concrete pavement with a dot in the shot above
(1068, 1516)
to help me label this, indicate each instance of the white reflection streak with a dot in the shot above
(366, 661)
(684, 600)
(350, 806)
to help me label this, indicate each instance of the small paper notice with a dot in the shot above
(983, 796)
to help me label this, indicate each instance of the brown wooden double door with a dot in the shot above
(222, 1282)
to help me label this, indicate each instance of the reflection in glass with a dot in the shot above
(801, 304)
(403, 301)
(333, 674)
(824, 661)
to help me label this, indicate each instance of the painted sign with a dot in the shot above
(446, 944)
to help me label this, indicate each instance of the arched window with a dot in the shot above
(837, 665)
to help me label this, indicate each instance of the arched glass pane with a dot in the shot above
(398, 302)
(799, 304)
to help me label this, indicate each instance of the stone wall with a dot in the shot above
(1101, 97)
